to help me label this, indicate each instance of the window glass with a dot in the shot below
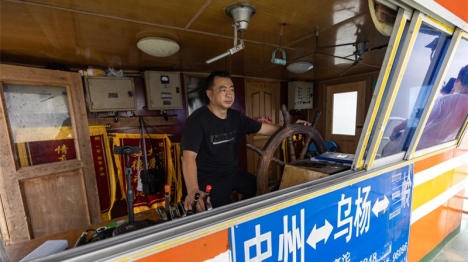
(422, 68)
(40, 124)
(451, 107)
(385, 91)
(344, 113)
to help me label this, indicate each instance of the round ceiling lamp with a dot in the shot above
(158, 46)
(299, 67)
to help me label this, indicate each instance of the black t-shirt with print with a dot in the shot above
(216, 141)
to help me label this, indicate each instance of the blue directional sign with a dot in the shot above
(365, 222)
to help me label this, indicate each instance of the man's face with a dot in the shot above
(222, 93)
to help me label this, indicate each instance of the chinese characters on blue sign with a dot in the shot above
(364, 222)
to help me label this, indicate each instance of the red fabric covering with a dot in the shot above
(45, 152)
(161, 147)
(102, 172)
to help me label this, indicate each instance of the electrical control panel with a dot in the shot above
(163, 90)
(300, 95)
(107, 94)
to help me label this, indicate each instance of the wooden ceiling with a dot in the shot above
(104, 34)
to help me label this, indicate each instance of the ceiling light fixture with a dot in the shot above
(158, 46)
(241, 14)
(299, 67)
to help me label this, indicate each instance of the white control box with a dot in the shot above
(163, 90)
(300, 95)
(110, 94)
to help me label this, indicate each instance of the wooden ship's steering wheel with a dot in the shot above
(285, 132)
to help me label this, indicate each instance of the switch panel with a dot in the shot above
(300, 95)
(163, 90)
(110, 94)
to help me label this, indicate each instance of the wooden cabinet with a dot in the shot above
(41, 198)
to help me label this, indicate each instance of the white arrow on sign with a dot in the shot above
(380, 206)
(322, 233)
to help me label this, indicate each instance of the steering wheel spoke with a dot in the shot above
(285, 132)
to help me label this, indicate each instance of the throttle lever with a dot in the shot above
(182, 211)
(208, 205)
(194, 205)
(169, 211)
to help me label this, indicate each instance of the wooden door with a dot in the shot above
(345, 102)
(43, 193)
(261, 102)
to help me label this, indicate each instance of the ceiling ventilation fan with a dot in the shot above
(361, 48)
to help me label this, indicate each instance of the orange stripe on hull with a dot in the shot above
(459, 8)
(432, 229)
(432, 161)
(198, 250)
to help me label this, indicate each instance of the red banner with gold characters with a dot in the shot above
(37, 146)
(161, 152)
(105, 175)
(176, 182)
(45, 152)
(100, 167)
(48, 145)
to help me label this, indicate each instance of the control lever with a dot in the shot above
(171, 211)
(181, 207)
(175, 211)
(194, 205)
(167, 196)
(162, 213)
(208, 205)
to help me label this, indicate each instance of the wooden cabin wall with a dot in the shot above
(174, 127)
(175, 130)
(320, 94)
(319, 104)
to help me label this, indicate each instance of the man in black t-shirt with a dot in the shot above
(210, 146)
